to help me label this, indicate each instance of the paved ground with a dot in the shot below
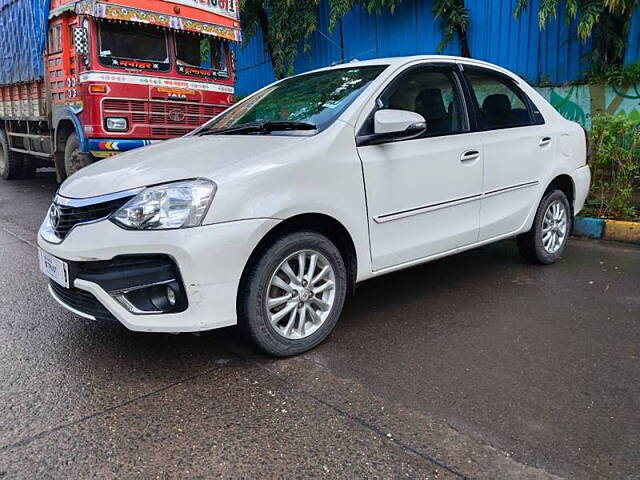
(474, 366)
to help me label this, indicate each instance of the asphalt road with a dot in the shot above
(477, 365)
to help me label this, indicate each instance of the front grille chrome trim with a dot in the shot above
(87, 202)
(74, 212)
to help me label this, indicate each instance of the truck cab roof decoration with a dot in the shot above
(108, 11)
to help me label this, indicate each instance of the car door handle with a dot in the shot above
(544, 141)
(469, 156)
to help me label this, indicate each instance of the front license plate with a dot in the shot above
(54, 268)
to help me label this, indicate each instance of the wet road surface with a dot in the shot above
(478, 365)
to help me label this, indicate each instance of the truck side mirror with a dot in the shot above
(81, 40)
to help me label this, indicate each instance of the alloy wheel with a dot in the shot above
(554, 227)
(301, 294)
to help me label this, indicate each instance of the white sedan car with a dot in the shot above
(270, 213)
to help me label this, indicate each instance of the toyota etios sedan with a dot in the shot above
(269, 214)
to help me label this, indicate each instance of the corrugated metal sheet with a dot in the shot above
(633, 47)
(551, 55)
(23, 30)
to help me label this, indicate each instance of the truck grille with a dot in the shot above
(69, 217)
(82, 301)
(164, 118)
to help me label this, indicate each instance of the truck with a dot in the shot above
(83, 80)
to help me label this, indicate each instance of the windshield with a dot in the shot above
(315, 98)
(133, 46)
(201, 55)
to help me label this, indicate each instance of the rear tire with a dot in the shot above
(547, 239)
(11, 163)
(283, 310)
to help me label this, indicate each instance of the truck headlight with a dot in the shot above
(180, 204)
(117, 124)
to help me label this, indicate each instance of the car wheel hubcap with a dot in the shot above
(301, 294)
(554, 227)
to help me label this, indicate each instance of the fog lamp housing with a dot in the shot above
(153, 299)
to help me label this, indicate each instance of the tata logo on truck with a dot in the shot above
(228, 8)
(176, 115)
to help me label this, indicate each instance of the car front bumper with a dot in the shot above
(209, 259)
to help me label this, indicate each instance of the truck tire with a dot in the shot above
(74, 159)
(11, 163)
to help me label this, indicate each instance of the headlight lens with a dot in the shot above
(173, 205)
(117, 124)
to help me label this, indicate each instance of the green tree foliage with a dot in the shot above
(615, 163)
(283, 24)
(454, 20)
(607, 21)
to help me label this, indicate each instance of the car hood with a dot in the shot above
(171, 160)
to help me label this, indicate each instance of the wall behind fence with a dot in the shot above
(552, 55)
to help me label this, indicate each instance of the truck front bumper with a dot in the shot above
(104, 147)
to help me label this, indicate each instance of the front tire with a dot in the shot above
(74, 159)
(293, 293)
(547, 239)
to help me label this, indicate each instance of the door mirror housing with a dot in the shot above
(393, 125)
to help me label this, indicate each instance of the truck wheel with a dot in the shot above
(74, 159)
(292, 295)
(11, 163)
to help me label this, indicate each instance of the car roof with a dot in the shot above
(400, 61)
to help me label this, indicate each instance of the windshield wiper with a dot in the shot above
(262, 127)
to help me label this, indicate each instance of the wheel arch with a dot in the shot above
(65, 123)
(317, 222)
(564, 183)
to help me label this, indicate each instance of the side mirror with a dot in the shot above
(81, 40)
(393, 125)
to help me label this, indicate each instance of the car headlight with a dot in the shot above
(172, 205)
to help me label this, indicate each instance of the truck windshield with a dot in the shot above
(315, 99)
(129, 45)
(201, 55)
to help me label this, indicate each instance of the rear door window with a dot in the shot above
(500, 103)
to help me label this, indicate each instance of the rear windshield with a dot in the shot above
(128, 45)
(317, 98)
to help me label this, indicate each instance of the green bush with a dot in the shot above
(615, 163)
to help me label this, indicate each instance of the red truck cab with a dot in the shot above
(122, 74)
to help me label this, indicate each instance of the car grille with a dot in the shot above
(82, 301)
(72, 216)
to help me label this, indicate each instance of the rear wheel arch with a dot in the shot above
(564, 183)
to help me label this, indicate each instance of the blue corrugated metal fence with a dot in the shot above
(551, 55)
